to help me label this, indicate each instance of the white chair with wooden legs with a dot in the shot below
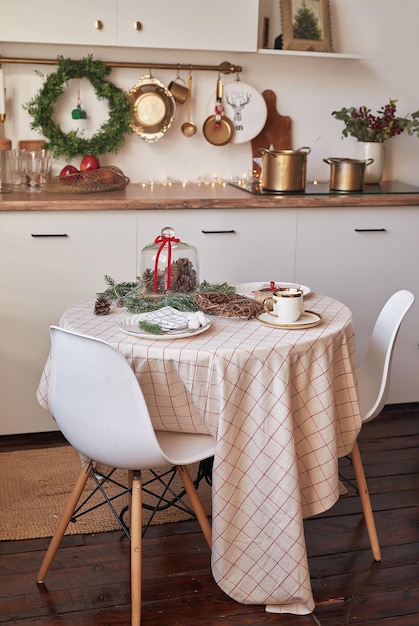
(373, 386)
(97, 402)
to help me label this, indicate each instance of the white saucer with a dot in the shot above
(306, 320)
(130, 326)
(247, 289)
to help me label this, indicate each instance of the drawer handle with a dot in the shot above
(370, 230)
(217, 232)
(138, 25)
(49, 235)
(98, 24)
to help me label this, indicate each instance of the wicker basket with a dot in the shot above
(109, 178)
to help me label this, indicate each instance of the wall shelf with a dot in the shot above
(299, 53)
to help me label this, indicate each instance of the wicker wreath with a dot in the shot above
(229, 305)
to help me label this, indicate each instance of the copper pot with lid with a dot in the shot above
(284, 170)
(347, 174)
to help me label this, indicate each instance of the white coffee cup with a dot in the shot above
(287, 305)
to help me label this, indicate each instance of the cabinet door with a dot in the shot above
(361, 257)
(49, 261)
(49, 21)
(236, 246)
(189, 25)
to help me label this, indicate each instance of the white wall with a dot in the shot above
(307, 89)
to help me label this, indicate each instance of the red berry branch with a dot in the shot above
(365, 126)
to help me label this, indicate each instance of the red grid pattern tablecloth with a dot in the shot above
(283, 407)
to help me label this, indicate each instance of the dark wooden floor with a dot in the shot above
(88, 583)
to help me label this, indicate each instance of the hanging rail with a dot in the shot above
(225, 67)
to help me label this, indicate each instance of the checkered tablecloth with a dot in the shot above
(282, 405)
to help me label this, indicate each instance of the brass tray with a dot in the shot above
(153, 108)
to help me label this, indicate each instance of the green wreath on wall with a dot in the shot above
(111, 134)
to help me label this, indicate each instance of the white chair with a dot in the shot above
(373, 386)
(97, 402)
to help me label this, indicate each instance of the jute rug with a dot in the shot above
(35, 486)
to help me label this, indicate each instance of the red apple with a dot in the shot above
(89, 162)
(68, 170)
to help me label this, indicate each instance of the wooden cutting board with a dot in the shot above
(276, 132)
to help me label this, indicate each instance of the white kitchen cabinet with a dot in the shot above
(49, 21)
(358, 255)
(179, 24)
(362, 256)
(189, 25)
(48, 261)
(234, 245)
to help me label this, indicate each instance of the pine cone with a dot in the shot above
(102, 306)
(148, 277)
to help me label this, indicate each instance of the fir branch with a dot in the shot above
(116, 291)
(132, 295)
(149, 327)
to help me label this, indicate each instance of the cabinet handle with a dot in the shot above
(49, 235)
(370, 230)
(217, 232)
(138, 26)
(98, 24)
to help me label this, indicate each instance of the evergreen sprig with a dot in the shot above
(132, 296)
(117, 291)
(111, 134)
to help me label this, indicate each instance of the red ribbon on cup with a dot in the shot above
(163, 240)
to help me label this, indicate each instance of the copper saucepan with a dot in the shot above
(347, 174)
(218, 129)
(284, 170)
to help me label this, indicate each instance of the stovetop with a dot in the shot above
(323, 189)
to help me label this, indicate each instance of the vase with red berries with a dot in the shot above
(372, 131)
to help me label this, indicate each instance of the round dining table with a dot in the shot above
(282, 405)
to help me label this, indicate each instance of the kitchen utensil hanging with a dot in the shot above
(189, 128)
(218, 129)
(246, 107)
(153, 108)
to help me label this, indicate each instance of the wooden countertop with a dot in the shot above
(203, 196)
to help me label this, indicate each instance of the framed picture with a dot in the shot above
(306, 25)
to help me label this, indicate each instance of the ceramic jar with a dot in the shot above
(372, 150)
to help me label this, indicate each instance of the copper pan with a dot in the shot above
(218, 129)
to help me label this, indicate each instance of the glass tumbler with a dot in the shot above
(18, 167)
(44, 167)
(33, 164)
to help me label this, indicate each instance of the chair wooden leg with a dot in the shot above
(366, 502)
(130, 475)
(64, 522)
(136, 551)
(196, 503)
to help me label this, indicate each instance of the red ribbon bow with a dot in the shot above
(163, 240)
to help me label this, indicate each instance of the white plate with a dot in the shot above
(247, 289)
(130, 326)
(307, 319)
(245, 107)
